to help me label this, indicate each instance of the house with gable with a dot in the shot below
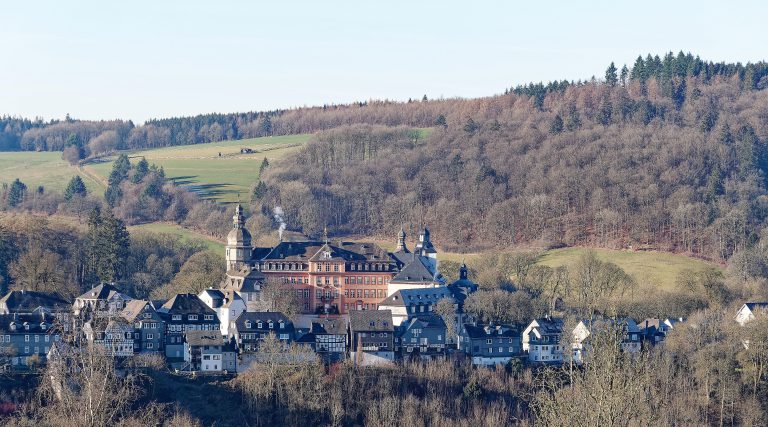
(328, 338)
(748, 311)
(209, 352)
(251, 328)
(407, 303)
(102, 301)
(421, 337)
(541, 340)
(38, 303)
(114, 335)
(491, 344)
(148, 326)
(228, 305)
(27, 337)
(630, 335)
(181, 314)
(371, 336)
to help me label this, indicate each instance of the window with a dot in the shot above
(490, 349)
(150, 345)
(501, 349)
(336, 267)
(47, 338)
(26, 349)
(176, 317)
(192, 317)
(150, 336)
(271, 325)
(489, 341)
(26, 338)
(208, 316)
(147, 315)
(37, 338)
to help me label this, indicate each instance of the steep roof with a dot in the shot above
(416, 271)
(104, 291)
(185, 304)
(35, 323)
(29, 301)
(756, 305)
(329, 326)
(550, 326)
(425, 321)
(371, 320)
(346, 251)
(134, 308)
(408, 297)
(244, 280)
(200, 338)
(491, 331)
(265, 317)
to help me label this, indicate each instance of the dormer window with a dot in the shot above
(271, 325)
(26, 327)
(327, 254)
(248, 324)
(259, 325)
(282, 325)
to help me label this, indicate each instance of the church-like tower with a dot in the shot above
(238, 242)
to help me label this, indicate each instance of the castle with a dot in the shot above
(328, 277)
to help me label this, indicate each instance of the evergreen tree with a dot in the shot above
(259, 191)
(109, 244)
(573, 121)
(76, 187)
(638, 70)
(266, 125)
(120, 170)
(605, 113)
(16, 193)
(471, 126)
(424, 98)
(440, 121)
(624, 75)
(140, 171)
(557, 125)
(264, 165)
(610, 75)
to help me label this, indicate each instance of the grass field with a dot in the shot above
(185, 234)
(200, 168)
(44, 168)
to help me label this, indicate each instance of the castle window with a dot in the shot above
(335, 267)
(354, 280)
(327, 267)
(352, 267)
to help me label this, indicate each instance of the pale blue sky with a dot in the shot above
(142, 59)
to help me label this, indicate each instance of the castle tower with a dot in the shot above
(401, 246)
(238, 242)
(424, 246)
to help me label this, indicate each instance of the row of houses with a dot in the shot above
(215, 331)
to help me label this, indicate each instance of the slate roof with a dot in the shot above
(409, 297)
(306, 250)
(104, 291)
(245, 280)
(200, 338)
(29, 301)
(20, 320)
(371, 320)
(186, 304)
(550, 326)
(222, 298)
(265, 317)
(491, 331)
(329, 326)
(133, 308)
(415, 271)
(756, 305)
(425, 321)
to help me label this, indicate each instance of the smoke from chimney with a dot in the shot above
(278, 213)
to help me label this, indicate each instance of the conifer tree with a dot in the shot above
(440, 121)
(557, 125)
(140, 171)
(16, 193)
(264, 165)
(610, 75)
(76, 187)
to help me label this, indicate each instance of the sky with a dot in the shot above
(152, 59)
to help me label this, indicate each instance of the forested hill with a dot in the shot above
(670, 155)
(94, 137)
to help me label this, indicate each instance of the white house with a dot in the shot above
(207, 351)
(541, 340)
(227, 304)
(747, 311)
(630, 336)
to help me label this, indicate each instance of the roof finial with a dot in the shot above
(325, 234)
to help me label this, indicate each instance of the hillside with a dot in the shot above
(670, 157)
(197, 168)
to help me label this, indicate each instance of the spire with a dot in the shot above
(401, 247)
(325, 234)
(463, 271)
(238, 220)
